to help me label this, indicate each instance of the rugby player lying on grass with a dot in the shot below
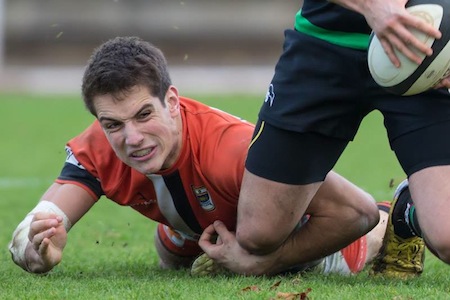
(180, 163)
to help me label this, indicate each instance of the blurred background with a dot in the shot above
(211, 45)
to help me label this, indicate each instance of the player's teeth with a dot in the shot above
(141, 153)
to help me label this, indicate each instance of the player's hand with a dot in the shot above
(227, 252)
(444, 83)
(48, 238)
(392, 24)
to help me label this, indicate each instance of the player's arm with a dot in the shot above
(338, 204)
(392, 24)
(38, 241)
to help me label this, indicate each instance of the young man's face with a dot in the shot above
(143, 133)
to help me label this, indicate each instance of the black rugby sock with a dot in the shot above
(404, 217)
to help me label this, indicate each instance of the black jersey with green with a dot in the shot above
(333, 23)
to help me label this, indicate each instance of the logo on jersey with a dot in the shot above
(202, 195)
(71, 158)
(174, 236)
(270, 95)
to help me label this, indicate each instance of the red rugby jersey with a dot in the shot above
(202, 186)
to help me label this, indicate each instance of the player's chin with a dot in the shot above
(149, 171)
(145, 167)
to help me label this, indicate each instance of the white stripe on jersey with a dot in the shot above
(167, 206)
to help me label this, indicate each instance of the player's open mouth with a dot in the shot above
(142, 152)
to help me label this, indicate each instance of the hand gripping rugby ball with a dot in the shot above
(410, 78)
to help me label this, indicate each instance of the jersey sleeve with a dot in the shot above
(74, 172)
(87, 161)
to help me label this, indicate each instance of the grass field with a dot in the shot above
(110, 253)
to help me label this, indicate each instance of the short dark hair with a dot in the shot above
(121, 64)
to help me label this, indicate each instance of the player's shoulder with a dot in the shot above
(197, 113)
(214, 133)
(92, 147)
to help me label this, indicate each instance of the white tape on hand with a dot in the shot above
(20, 239)
(50, 207)
(19, 242)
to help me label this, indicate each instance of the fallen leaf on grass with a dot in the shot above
(252, 288)
(275, 285)
(294, 296)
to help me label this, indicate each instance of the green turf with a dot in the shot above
(110, 253)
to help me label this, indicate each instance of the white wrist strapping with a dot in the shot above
(20, 240)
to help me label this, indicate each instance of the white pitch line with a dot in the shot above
(12, 183)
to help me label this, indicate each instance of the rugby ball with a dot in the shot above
(410, 78)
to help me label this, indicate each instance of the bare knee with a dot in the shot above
(340, 199)
(444, 255)
(441, 248)
(364, 213)
(369, 214)
(269, 211)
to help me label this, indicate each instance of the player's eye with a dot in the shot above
(144, 115)
(111, 126)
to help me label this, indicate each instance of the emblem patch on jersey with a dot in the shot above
(202, 195)
(270, 95)
(71, 158)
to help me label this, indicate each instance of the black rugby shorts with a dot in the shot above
(318, 96)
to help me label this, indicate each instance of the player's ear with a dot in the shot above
(172, 100)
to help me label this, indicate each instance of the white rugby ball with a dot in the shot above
(410, 78)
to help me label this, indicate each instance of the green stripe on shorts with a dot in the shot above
(344, 39)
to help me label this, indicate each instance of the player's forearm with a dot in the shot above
(302, 247)
(290, 254)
